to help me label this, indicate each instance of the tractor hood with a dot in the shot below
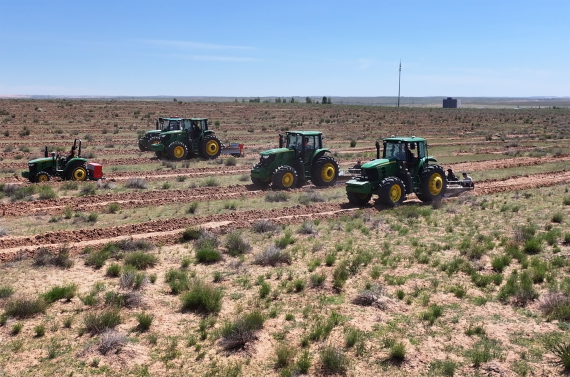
(153, 132)
(375, 163)
(274, 151)
(172, 132)
(39, 160)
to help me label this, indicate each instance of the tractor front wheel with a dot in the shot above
(358, 199)
(210, 147)
(325, 171)
(391, 192)
(433, 183)
(177, 151)
(284, 178)
(77, 173)
(42, 177)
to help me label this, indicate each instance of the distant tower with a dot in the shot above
(399, 79)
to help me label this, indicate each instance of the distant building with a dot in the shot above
(450, 103)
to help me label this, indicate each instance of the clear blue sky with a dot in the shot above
(285, 47)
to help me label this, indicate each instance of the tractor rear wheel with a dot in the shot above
(177, 151)
(42, 177)
(284, 178)
(77, 173)
(433, 183)
(358, 199)
(324, 171)
(391, 192)
(210, 147)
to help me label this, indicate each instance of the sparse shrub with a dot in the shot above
(203, 298)
(264, 226)
(272, 256)
(16, 328)
(352, 143)
(397, 351)
(210, 182)
(141, 260)
(136, 183)
(192, 207)
(97, 258)
(499, 263)
(317, 280)
(351, 336)
(6, 291)
(237, 334)
(433, 313)
(277, 196)
(110, 340)
(533, 246)
(443, 367)
(304, 362)
(562, 351)
(299, 285)
(264, 289)
(88, 189)
(25, 307)
(46, 192)
(114, 270)
(286, 240)
(236, 245)
(458, 290)
(61, 258)
(230, 161)
(474, 330)
(483, 351)
(97, 323)
(92, 217)
(555, 306)
(520, 287)
(40, 330)
(558, 217)
(114, 299)
(113, 208)
(132, 279)
(285, 353)
(191, 234)
(177, 280)
(144, 320)
(59, 292)
(311, 196)
(334, 360)
(340, 275)
(306, 228)
(207, 255)
(330, 258)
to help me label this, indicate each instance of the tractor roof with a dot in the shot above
(179, 118)
(407, 139)
(306, 133)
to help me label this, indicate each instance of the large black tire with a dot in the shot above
(391, 191)
(77, 173)
(284, 178)
(210, 147)
(433, 183)
(358, 199)
(177, 151)
(324, 171)
(42, 177)
(260, 183)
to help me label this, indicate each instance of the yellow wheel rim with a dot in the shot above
(328, 172)
(43, 178)
(212, 147)
(79, 174)
(395, 193)
(435, 184)
(178, 152)
(362, 196)
(287, 180)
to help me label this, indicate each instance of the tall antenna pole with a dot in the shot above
(399, 79)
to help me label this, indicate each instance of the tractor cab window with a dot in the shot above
(196, 128)
(174, 125)
(294, 141)
(310, 142)
(395, 150)
(422, 152)
(187, 126)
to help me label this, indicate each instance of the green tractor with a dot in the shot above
(162, 125)
(403, 169)
(71, 167)
(190, 139)
(300, 157)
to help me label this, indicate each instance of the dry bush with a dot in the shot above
(264, 226)
(103, 184)
(133, 299)
(110, 340)
(370, 297)
(136, 183)
(272, 256)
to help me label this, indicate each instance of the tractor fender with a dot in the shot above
(431, 159)
(318, 154)
(209, 132)
(74, 162)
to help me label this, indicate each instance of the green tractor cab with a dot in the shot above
(189, 137)
(403, 169)
(161, 125)
(299, 158)
(71, 167)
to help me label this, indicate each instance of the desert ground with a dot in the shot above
(188, 269)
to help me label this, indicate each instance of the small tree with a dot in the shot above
(329, 101)
(308, 100)
(325, 100)
(277, 100)
(292, 100)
